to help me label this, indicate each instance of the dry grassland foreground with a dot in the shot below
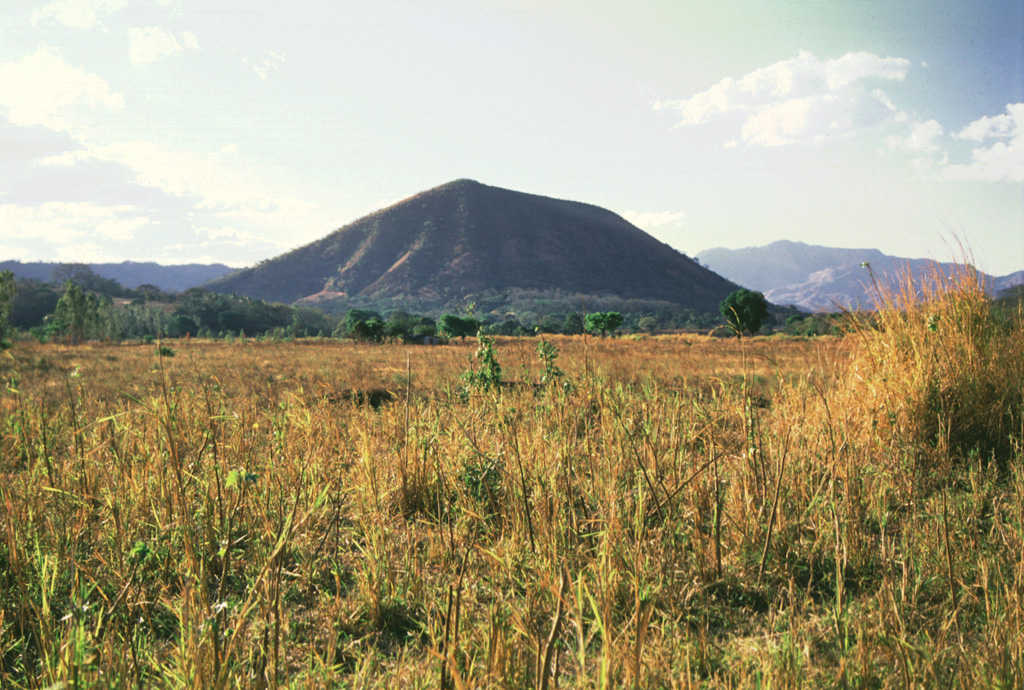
(670, 512)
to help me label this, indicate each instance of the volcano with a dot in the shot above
(465, 238)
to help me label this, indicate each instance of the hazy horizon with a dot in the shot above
(188, 132)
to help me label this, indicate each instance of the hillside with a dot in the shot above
(820, 278)
(131, 274)
(464, 239)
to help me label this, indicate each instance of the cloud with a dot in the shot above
(12, 252)
(62, 222)
(178, 173)
(77, 14)
(28, 144)
(41, 89)
(227, 235)
(801, 99)
(270, 62)
(1002, 160)
(150, 43)
(649, 220)
(215, 186)
(921, 138)
(921, 141)
(999, 127)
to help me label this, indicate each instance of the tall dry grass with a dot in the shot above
(689, 512)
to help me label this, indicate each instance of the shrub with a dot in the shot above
(487, 374)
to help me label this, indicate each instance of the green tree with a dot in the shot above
(573, 324)
(399, 325)
(69, 318)
(355, 322)
(603, 322)
(457, 326)
(425, 327)
(745, 310)
(372, 329)
(7, 290)
(33, 302)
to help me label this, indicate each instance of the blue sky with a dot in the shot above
(232, 131)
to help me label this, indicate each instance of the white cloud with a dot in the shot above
(999, 127)
(648, 220)
(78, 14)
(920, 140)
(215, 184)
(227, 235)
(922, 137)
(89, 253)
(121, 229)
(41, 89)
(62, 222)
(150, 43)
(270, 62)
(11, 252)
(178, 173)
(801, 99)
(1003, 159)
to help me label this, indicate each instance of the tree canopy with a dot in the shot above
(603, 322)
(458, 326)
(745, 310)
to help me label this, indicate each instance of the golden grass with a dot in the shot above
(691, 511)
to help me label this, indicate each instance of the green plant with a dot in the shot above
(548, 355)
(482, 480)
(486, 374)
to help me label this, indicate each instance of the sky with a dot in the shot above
(200, 131)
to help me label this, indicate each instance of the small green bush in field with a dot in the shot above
(482, 480)
(487, 374)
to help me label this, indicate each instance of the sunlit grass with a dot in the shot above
(690, 511)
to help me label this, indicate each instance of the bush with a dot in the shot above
(487, 374)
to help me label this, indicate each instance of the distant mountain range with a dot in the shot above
(465, 240)
(131, 274)
(816, 278)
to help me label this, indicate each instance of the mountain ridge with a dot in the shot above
(819, 278)
(131, 274)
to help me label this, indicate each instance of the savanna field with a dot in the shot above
(659, 512)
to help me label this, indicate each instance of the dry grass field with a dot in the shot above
(670, 512)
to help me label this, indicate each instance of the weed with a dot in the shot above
(485, 374)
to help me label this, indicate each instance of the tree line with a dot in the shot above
(88, 307)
